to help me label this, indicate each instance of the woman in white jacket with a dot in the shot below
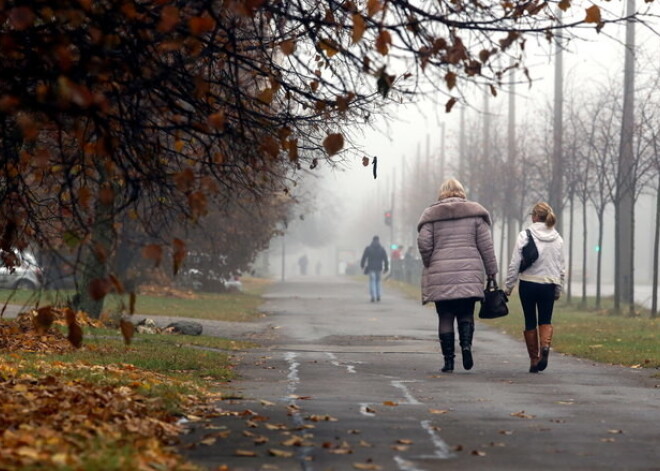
(540, 284)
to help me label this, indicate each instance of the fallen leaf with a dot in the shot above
(208, 441)
(280, 453)
(367, 466)
(405, 441)
(615, 431)
(438, 411)
(246, 453)
(266, 403)
(321, 418)
(478, 453)
(276, 427)
(390, 403)
(400, 447)
(522, 415)
(365, 444)
(293, 441)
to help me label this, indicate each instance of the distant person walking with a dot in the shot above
(302, 263)
(540, 284)
(374, 262)
(456, 247)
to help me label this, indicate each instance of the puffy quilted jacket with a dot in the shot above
(456, 247)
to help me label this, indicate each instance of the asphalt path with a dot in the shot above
(339, 383)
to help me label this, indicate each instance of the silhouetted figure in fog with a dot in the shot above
(302, 263)
(374, 262)
(409, 264)
(456, 247)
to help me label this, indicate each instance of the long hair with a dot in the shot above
(543, 212)
(451, 188)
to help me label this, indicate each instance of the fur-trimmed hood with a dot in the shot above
(453, 208)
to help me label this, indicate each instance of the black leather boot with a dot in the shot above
(465, 334)
(447, 345)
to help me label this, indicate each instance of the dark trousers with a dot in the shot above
(536, 298)
(460, 309)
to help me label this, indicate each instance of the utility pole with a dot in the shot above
(511, 166)
(556, 196)
(625, 198)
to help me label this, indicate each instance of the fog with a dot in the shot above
(344, 205)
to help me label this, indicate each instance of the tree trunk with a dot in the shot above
(656, 247)
(502, 270)
(95, 263)
(583, 303)
(601, 229)
(569, 290)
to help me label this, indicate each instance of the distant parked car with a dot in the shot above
(23, 271)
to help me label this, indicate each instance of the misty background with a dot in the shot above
(418, 145)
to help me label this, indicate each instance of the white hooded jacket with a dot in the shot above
(549, 268)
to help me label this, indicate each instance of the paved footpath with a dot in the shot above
(339, 383)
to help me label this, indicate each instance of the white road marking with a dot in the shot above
(405, 465)
(406, 393)
(442, 450)
(335, 362)
(293, 377)
(293, 381)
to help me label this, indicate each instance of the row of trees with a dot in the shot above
(133, 120)
(591, 148)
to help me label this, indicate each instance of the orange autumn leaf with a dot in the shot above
(44, 319)
(450, 78)
(99, 288)
(374, 6)
(217, 120)
(201, 24)
(198, 204)
(178, 254)
(153, 252)
(383, 42)
(75, 335)
(288, 47)
(333, 143)
(593, 15)
(359, 27)
(169, 18)
(127, 330)
(450, 104)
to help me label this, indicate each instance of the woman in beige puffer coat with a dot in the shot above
(456, 247)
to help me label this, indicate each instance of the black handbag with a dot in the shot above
(529, 253)
(494, 303)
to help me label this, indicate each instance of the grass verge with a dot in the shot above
(588, 333)
(230, 306)
(110, 406)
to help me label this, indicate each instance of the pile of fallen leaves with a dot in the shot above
(50, 421)
(52, 418)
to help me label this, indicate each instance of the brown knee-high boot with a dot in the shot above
(545, 337)
(532, 342)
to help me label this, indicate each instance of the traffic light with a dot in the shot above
(388, 218)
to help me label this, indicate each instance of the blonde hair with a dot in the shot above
(451, 188)
(543, 213)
